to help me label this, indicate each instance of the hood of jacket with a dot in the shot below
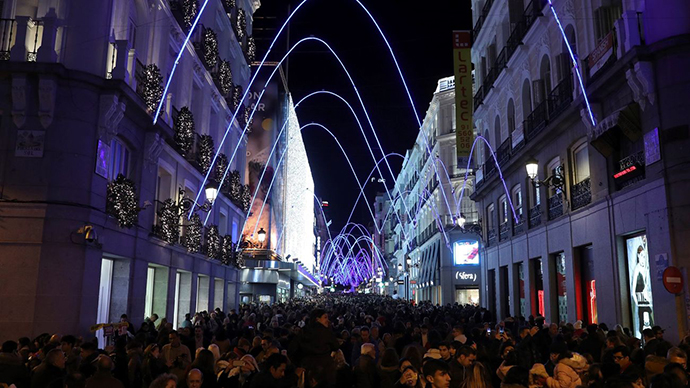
(577, 362)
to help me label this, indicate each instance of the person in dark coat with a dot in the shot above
(312, 349)
(51, 372)
(273, 376)
(388, 369)
(366, 375)
(103, 377)
(11, 369)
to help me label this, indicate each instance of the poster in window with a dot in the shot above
(640, 284)
(102, 158)
(466, 253)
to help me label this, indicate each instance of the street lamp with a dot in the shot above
(211, 191)
(400, 268)
(555, 181)
(408, 261)
(261, 235)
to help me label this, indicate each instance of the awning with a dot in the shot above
(627, 120)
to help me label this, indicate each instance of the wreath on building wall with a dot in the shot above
(246, 197)
(219, 171)
(213, 242)
(153, 86)
(189, 9)
(227, 251)
(192, 237)
(210, 48)
(251, 50)
(169, 221)
(184, 129)
(229, 4)
(225, 77)
(206, 152)
(235, 188)
(236, 97)
(248, 119)
(241, 25)
(122, 202)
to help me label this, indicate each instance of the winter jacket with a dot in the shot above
(567, 372)
(12, 371)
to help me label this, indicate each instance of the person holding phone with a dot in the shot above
(409, 378)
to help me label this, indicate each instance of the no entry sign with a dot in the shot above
(673, 280)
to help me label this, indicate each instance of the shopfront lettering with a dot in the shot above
(462, 275)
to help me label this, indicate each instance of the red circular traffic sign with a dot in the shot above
(673, 280)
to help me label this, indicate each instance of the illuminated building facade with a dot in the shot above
(423, 211)
(593, 242)
(82, 81)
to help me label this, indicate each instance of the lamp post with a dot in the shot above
(556, 181)
(261, 236)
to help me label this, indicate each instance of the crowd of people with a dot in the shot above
(349, 341)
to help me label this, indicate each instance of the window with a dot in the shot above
(490, 215)
(551, 170)
(605, 17)
(517, 200)
(497, 132)
(503, 201)
(223, 223)
(119, 159)
(581, 161)
(526, 100)
(511, 116)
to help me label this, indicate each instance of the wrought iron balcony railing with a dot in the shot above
(560, 97)
(581, 194)
(535, 216)
(491, 237)
(504, 231)
(555, 206)
(519, 226)
(7, 36)
(536, 121)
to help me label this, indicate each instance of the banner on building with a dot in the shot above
(464, 105)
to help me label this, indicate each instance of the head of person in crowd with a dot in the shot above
(621, 356)
(276, 364)
(9, 348)
(444, 349)
(677, 370)
(409, 376)
(320, 316)
(466, 356)
(389, 358)
(658, 332)
(436, 374)
(195, 378)
(55, 358)
(454, 346)
(104, 364)
(368, 349)
(67, 343)
(517, 376)
(164, 381)
(403, 364)
(365, 334)
(678, 356)
(374, 333)
(478, 377)
(174, 339)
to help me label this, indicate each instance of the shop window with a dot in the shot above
(538, 300)
(560, 286)
(639, 283)
(522, 300)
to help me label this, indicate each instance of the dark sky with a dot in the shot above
(420, 35)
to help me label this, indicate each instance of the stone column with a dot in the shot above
(46, 53)
(18, 52)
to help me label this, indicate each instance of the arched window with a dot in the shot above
(516, 196)
(511, 116)
(564, 62)
(581, 161)
(543, 85)
(526, 100)
(497, 132)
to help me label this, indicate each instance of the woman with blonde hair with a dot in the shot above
(477, 378)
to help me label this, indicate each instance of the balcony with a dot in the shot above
(478, 97)
(535, 216)
(519, 226)
(555, 203)
(482, 17)
(491, 237)
(140, 78)
(503, 153)
(536, 121)
(504, 231)
(560, 97)
(581, 194)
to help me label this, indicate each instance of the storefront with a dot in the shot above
(461, 276)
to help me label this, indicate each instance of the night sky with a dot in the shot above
(420, 35)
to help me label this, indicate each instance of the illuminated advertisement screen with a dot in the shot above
(466, 253)
(640, 284)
